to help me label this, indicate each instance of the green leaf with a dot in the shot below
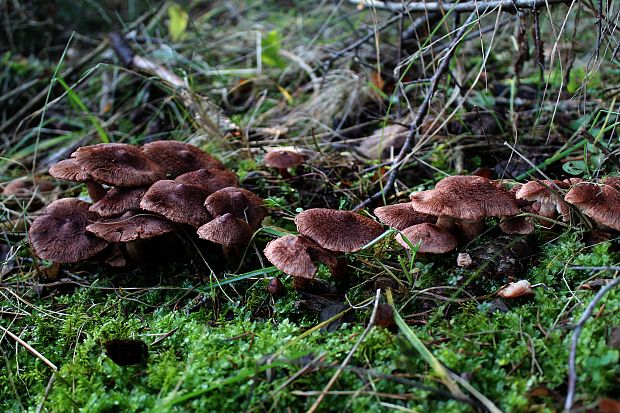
(270, 45)
(177, 22)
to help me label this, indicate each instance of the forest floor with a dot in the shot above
(525, 95)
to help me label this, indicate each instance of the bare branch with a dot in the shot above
(510, 6)
(577, 328)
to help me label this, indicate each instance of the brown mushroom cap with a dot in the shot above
(179, 157)
(465, 197)
(290, 255)
(130, 227)
(432, 239)
(60, 233)
(118, 164)
(401, 216)
(26, 187)
(283, 159)
(177, 202)
(516, 225)
(601, 203)
(226, 230)
(342, 231)
(208, 180)
(545, 192)
(69, 170)
(118, 201)
(240, 202)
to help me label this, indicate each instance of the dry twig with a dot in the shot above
(577, 328)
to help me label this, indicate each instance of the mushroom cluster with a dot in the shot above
(143, 192)
(436, 221)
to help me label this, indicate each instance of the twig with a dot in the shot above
(577, 328)
(420, 115)
(609, 268)
(30, 349)
(509, 6)
(341, 368)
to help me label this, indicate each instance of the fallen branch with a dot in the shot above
(510, 6)
(420, 115)
(577, 328)
(30, 349)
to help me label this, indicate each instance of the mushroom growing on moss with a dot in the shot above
(118, 164)
(230, 232)
(295, 255)
(282, 159)
(239, 202)
(431, 239)
(177, 158)
(69, 170)
(599, 202)
(178, 202)
(463, 202)
(341, 231)
(60, 234)
(401, 216)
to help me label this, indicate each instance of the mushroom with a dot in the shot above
(131, 226)
(599, 202)
(401, 216)
(118, 164)
(516, 289)
(516, 225)
(178, 202)
(118, 201)
(60, 234)
(69, 170)
(208, 180)
(240, 202)
(432, 239)
(177, 158)
(230, 232)
(26, 192)
(546, 194)
(282, 159)
(463, 202)
(342, 231)
(295, 255)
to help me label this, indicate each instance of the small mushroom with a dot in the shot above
(208, 180)
(177, 202)
(69, 170)
(60, 234)
(546, 194)
(342, 231)
(230, 232)
(241, 203)
(432, 238)
(516, 225)
(131, 226)
(516, 289)
(118, 164)
(295, 255)
(282, 159)
(401, 216)
(177, 158)
(118, 201)
(599, 202)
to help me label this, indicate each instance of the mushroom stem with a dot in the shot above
(232, 253)
(285, 173)
(96, 191)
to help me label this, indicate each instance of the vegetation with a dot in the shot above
(526, 95)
